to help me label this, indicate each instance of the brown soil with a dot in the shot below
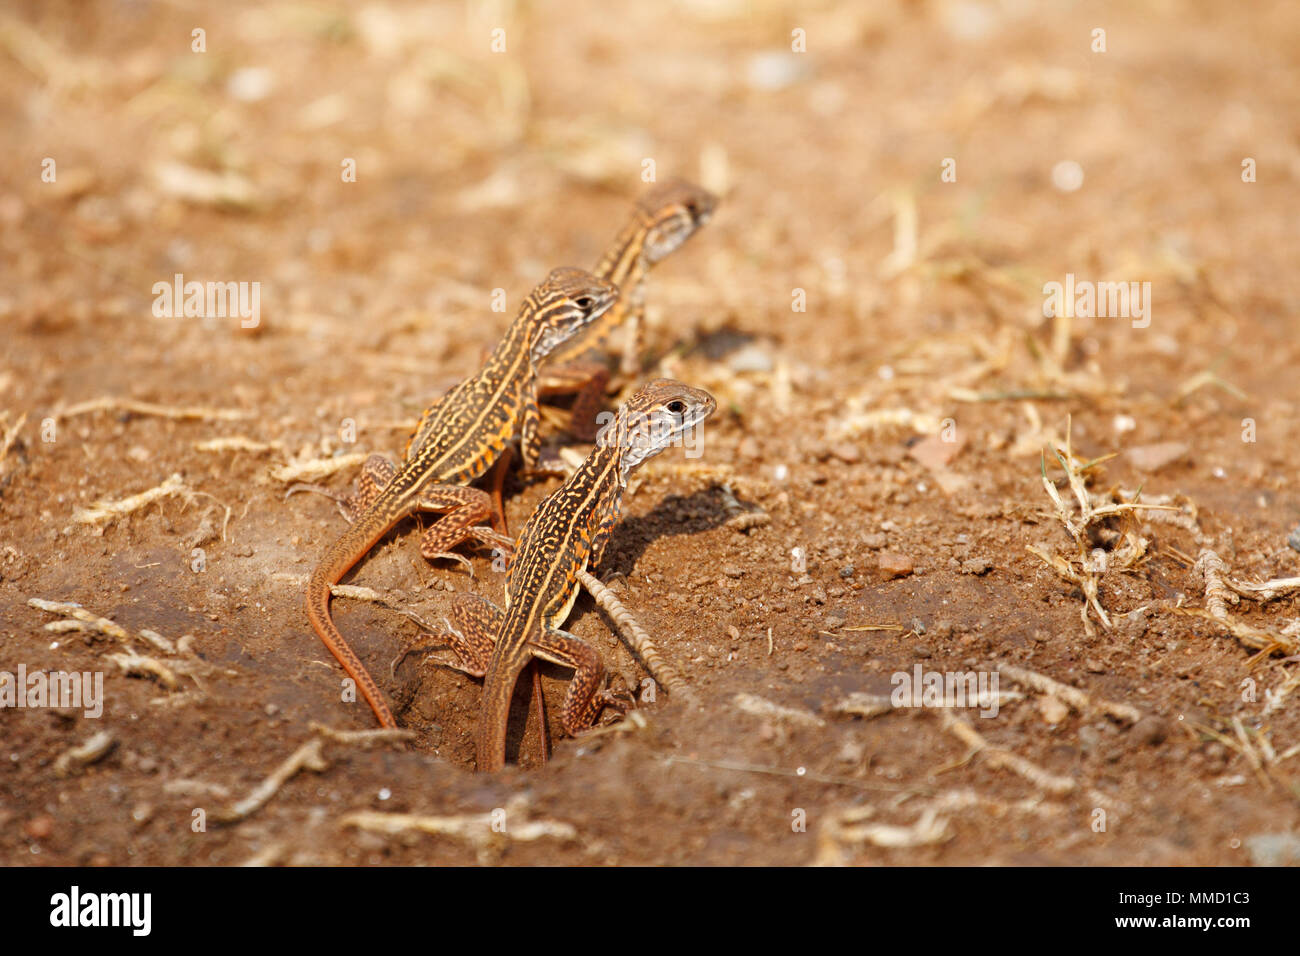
(479, 170)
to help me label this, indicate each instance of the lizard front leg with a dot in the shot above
(530, 431)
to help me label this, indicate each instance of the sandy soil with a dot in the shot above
(881, 545)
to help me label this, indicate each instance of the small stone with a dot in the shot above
(976, 566)
(733, 632)
(39, 828)
(1094, 666)
(892, 564)
(875, 540)
(1150, 731)
(847, 452)
(1154, 457)
(732, 571)
(1293, 539)
(935, 453)
(846, 572)
(750, 358)
(1089, 738)
(1052, 710)
(920, 650)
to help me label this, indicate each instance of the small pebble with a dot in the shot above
(892, 564)
(1157, 456)
(847, 453)
(1052, 710)
(39, 828)
(1150, 731)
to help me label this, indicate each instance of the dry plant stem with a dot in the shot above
(841, 830)
(100, 624)
(475, 828)
(998, 757)
(309, 756)
(633, 634)
(316, 467)
(354, 591)
(94, 622)
(150, 408)
(83, 755)
(105, 512)
(758, 707)
(306, 757)
(1084, 576)
(237, 443)
(137, 665)
(1071, 695)
(1220, 592)
(365, 738)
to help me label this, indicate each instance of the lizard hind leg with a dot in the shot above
(584, 699)
(464, 510)
(471, 627)
(376, 472)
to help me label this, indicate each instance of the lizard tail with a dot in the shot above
(498, 689)
(318, 612)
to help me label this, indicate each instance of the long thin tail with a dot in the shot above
(498, 689)
(326, 575)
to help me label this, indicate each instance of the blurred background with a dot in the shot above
(911, 173)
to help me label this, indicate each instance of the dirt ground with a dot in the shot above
(889, 439)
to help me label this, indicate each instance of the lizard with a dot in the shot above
(566, 534)
(458, 439)
(662, 219)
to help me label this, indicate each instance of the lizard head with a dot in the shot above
(568, 301)
(659, 414)
(673, 211)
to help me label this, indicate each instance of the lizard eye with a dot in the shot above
(584, 302)
(677, 407)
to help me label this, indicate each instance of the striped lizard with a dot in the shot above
(457, 440)
(566, 534)
(664, 218)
